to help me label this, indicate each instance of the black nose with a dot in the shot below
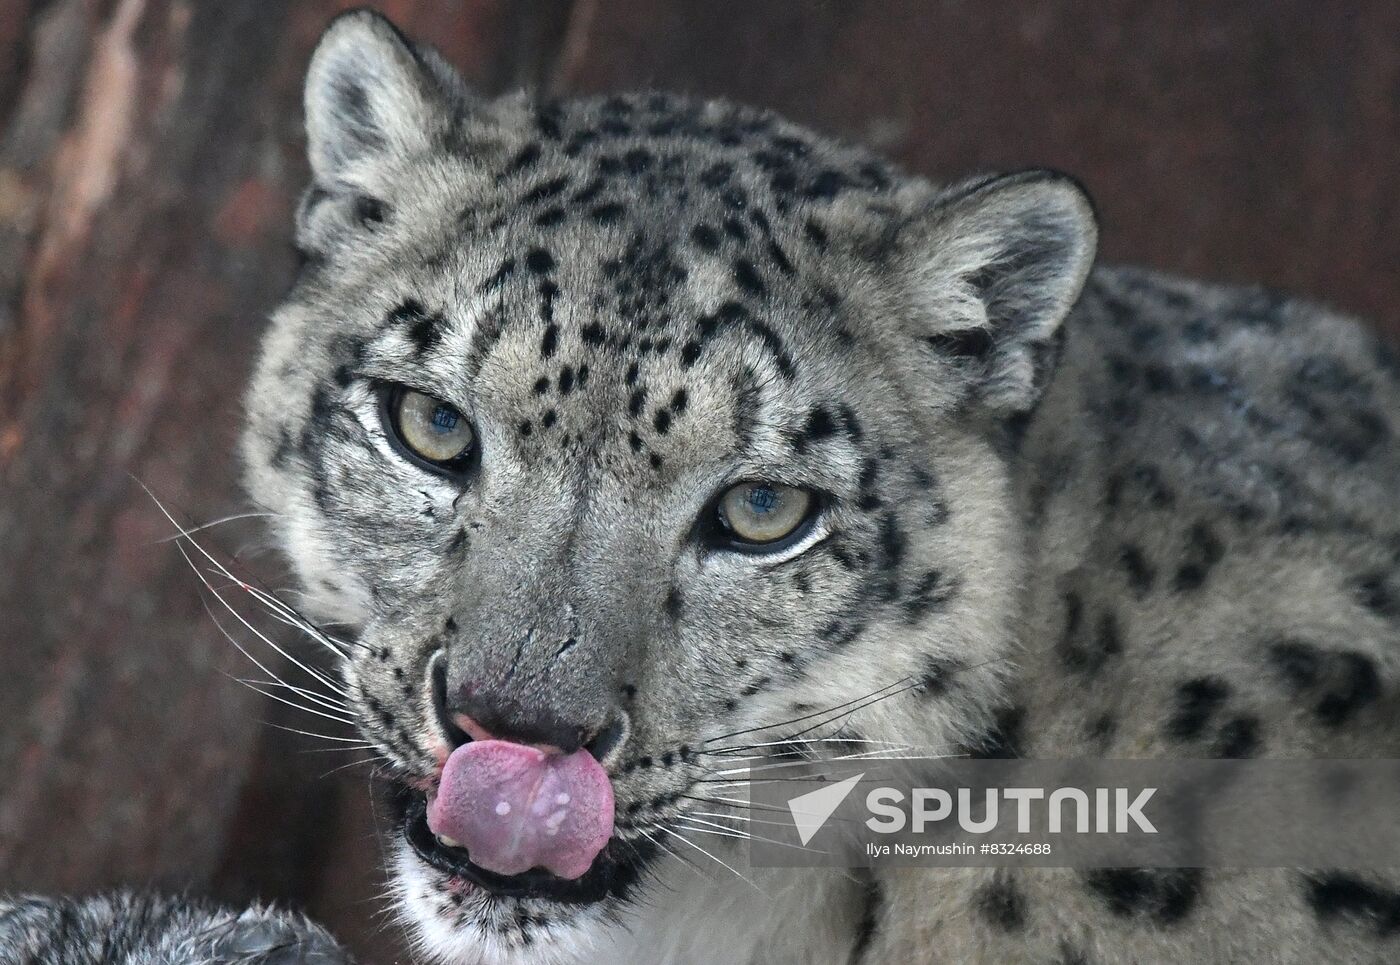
(466, 714)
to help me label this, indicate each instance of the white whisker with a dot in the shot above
(876, 695)
(359, 743)
(686, 841)
(215, 522)
(282, 700)
(268, 600)
(330, 703)
(315, 675)
(718, 828)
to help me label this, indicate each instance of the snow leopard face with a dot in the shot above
(640, 428)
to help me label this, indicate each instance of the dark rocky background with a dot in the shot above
(150, 152)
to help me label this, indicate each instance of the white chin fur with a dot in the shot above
(787, 917)
(463, 934)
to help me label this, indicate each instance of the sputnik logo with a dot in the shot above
(812, 810)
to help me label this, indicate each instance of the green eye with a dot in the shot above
(758, 513)
(430, 428)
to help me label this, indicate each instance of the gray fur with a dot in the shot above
(132, 929)
(1094, 510)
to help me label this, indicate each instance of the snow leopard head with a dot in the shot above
(653, 430)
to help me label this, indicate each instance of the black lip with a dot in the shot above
(614, 874)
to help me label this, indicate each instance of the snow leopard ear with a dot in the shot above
(994, 266)
(372, 95)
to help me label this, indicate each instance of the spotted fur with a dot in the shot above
(132, 929)
(1079, 511)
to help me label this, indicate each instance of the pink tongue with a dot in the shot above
(515, 807)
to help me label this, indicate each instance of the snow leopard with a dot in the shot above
(127, 928)
(630, 434)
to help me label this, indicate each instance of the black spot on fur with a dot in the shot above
(499, 276)
(1145, 481)
(869, 921)
(549, 341)
(1001, 741)
(545, 190)
(593, 334)
(936, 675)
(827, 185)
(1204, 550)
(675, 603)
(1196, 702)
(819, 425)
(893, 542)
(539, 261)
(869, 473)
(1348, 680)
(566, 380)
(1163, 897)
(609, 213)
(717, 175)
(731, 314)
(1069, 955)
(838, 635)
(1101, 729)
(1373, 593)
(1158, 378)
(526, 158)
(1002, 904)
(1140, 572)
(459, 542)
(1336, 895)
(746, 277)
(1239, 738)
(1358, 685)
(550, 216)
(407, 312)
(758, 685)
(662, 421)
(590, 191)
(1089, 657)
(930, 595)
(1298, 663)
(705, 238)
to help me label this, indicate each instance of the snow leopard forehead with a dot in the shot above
(617, 274)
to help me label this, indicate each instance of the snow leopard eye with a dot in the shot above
(433, 431)
(760, 515)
